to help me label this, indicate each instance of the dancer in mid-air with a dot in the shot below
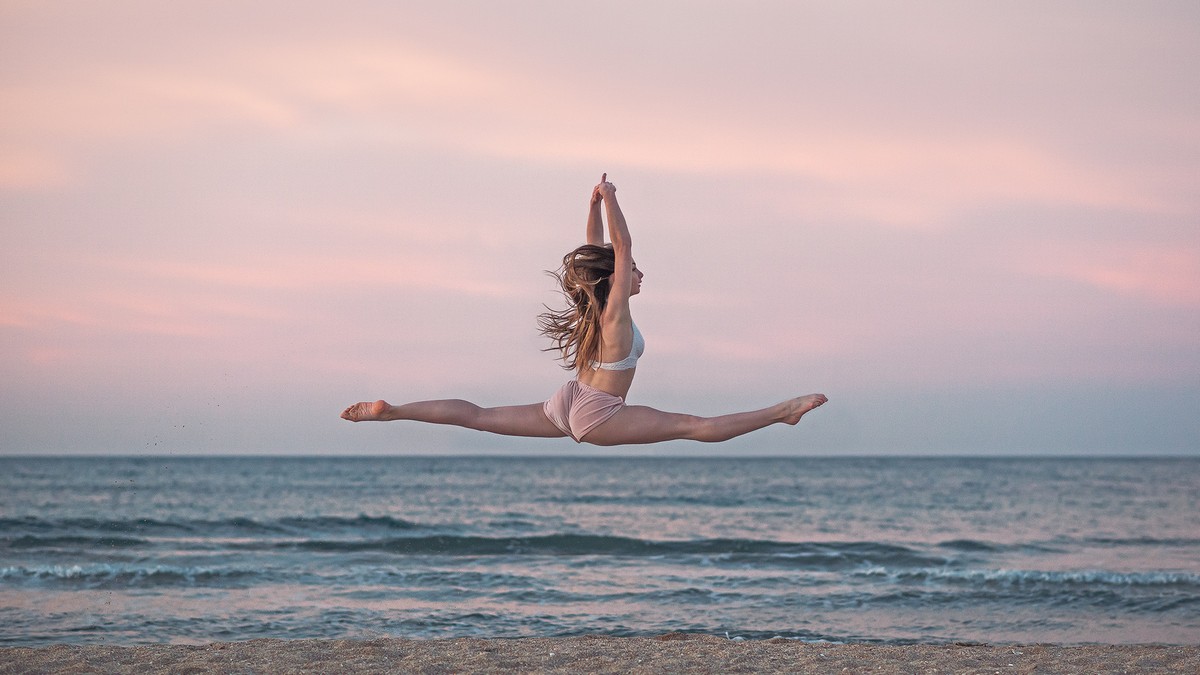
(599, 341)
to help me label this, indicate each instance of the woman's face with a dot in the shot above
(636, 286)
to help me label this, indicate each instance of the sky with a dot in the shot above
(974, 226)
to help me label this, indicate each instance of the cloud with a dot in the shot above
(1167, 275)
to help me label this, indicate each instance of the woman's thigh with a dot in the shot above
(637, 424)
(518, 420)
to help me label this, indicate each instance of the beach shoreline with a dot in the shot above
(673, 652)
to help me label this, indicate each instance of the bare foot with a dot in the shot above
(795, 408)
(367, 412)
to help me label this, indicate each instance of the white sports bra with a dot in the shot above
(629, 362)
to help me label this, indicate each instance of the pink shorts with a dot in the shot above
(577, 408)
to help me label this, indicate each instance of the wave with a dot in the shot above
(385, 534)
(15, 528)
(124, 575)
(976, 546)
(1022, 578)
(1143, 541)
(33, 524)
(359, 522)
(74, 541)
(819, 555)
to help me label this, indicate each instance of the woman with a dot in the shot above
(599, 279)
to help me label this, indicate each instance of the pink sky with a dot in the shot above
(976, 227)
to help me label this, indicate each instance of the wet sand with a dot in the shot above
(672, 653)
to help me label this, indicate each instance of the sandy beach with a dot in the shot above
(671, 653)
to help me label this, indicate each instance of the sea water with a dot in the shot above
(190, 550)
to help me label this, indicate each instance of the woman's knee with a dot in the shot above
(457, 412)
(684, 426)
(704, 429)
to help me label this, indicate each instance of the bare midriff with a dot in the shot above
(615, 382)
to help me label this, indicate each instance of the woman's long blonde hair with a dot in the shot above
(585, 279)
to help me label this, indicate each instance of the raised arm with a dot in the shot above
(622, 244)
(595, 224)
(618, 231)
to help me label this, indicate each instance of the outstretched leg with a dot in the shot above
(513, 420)
(640, 424)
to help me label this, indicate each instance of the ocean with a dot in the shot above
(893, 550)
